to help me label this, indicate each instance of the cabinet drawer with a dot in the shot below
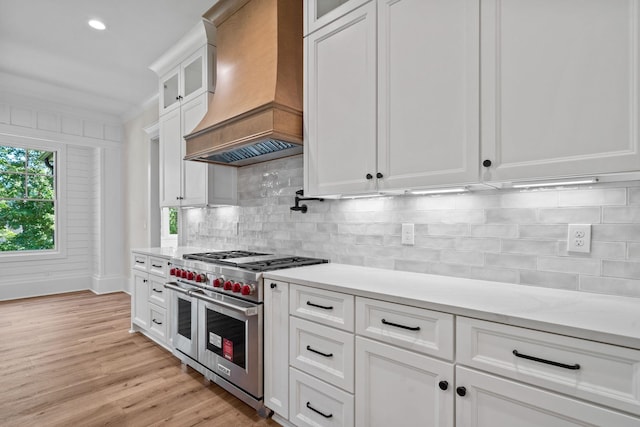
(603, 373)
(157, 292)
(140, 262)
(417, 329)
(322, 351)
(157, 322)
(326, 307)
(158, 266)
(314, 403)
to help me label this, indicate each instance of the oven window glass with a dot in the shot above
(184, 318)
(226, 337)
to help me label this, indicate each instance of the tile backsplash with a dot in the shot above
(508, 236)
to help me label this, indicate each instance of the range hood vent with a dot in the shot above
(265, 150)
(255, 114)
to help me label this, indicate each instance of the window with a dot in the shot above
(27, 199)
(169, 226)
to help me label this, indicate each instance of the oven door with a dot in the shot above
(184, 321)
(230, 340)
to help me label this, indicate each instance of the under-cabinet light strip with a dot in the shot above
(555, 183)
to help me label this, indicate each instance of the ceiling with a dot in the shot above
(48, 51)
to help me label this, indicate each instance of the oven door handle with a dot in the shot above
(174, 287)
(247, 311)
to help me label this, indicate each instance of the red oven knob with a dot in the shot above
(228, 285)
(178, 272)
(218, 283)
(237, 287)
(172, 272)
(184, 274)
(201, 278)
(191, 275)
(248, 290)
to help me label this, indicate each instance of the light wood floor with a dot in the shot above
(69, 360)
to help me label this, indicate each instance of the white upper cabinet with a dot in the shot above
(318, 13)
(516, 90)
(192, 77)
(428, 93)
(340, 105)
(559, 88)
(187, 183)
(187, 80)
(392, 97)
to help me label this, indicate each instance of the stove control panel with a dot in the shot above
(218, 283)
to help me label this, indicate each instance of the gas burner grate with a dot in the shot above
(279, 263)
(215, 256)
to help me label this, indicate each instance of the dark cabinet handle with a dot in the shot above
(144, 280)
(443, 385)
(156, 266)
(139, 262)
(318, 412)
(486, 163)
(379, 175)
(574, 367)
(273, 286)
(313, 350)
(462, 391)
(411, 328)
(369, 176)
(156, 322)
(324, 307)
(155, 290)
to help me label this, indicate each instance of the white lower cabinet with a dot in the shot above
(489, 401)
(276, 347)
(315, 403)
(397, 387)
(149, 303)
(387, 364)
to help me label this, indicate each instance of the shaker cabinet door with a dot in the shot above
(170, 159)
(194, 173)
(559, 88)
(428, 93)
(340, 105)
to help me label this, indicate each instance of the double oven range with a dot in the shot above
(217, 316)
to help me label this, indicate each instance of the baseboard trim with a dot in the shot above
(41, 287)
(108, 285)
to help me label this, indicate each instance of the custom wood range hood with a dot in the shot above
(256, 112)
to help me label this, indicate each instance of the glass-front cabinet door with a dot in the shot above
(170, 90)
(193, 80)
(318, 13)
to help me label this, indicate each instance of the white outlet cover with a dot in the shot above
(408, 234)
(579, 238)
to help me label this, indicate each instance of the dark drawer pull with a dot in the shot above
(548, 362)
(156, 322)
(319, 352)
(155, 290)
(411, 328)
(139, 262)
(324, 307)
(156, 266)
(318, 412)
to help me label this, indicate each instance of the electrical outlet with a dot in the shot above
(579, 238)
(407, 234)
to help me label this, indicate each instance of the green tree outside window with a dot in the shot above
(27, 199)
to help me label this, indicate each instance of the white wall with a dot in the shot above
(93, 257)
(137, 180)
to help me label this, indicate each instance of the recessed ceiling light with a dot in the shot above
(98, 25)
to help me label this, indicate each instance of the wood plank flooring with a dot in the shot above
(69, 360)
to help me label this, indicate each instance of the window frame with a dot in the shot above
(60, 201)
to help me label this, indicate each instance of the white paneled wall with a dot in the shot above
(509, 236)
(93, 252)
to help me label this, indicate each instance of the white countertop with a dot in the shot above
(170, 252)
(604, 318)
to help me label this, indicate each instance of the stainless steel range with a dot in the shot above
(217, 316)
